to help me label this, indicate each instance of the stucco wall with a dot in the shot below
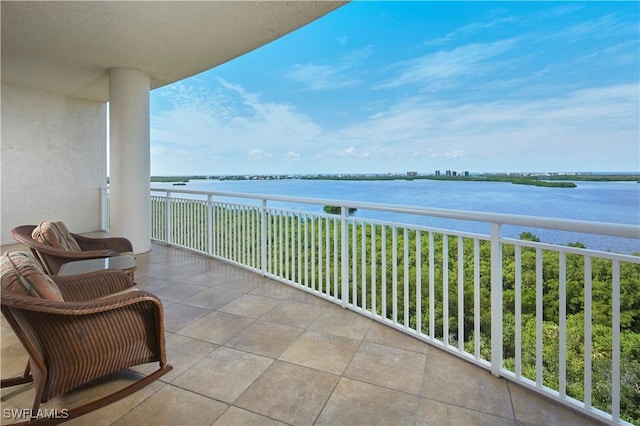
(53, 159)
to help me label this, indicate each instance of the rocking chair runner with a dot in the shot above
(101, 326)
(56, 250)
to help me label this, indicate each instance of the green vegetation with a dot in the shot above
(169, 179)
(307, 250)
(545, 183)
(551, 180)
(338, 210)
(528, 180)
(596, 178)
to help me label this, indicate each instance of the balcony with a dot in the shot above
(248, 349)
(270, 296)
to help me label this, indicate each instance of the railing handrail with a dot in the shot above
(571, 225)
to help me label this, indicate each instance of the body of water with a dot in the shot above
(610, 202)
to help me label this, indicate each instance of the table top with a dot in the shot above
(124, 262)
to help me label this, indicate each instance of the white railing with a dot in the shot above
(546, 316)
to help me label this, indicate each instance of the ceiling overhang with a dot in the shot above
(68, 47)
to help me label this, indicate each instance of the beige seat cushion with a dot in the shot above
(21, 273)
(55, 234)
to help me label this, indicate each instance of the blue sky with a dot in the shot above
(417, 86)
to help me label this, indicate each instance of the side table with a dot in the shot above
(125, 263)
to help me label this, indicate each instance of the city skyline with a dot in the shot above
(397, 86)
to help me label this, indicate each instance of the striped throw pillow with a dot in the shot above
(21, 273)
(55, 234)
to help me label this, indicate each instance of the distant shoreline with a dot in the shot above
(545, 180)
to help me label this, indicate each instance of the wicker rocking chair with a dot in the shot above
(79, 328)
(54, 245)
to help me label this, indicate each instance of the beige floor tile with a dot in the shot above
(388, 367)
(295, 314)
(342, 322)
(240, 283)
(356, 403)
(203, 278)
(174, 406)
(19, 397)
(235, 416)
(455, 381)
(171, 257)
(289, 393)
(179, 315)
(384, 335)
(176, 292)
(434, 413)
(182, 353)
(265, 338)
(321, 351)
(23, 395)
(202, 263)
(224, 374)
(111, 413)
(151, 284)
(275, 289)
(310, 298)
(217, 327)
(163, 271)
(212, 298)
(537, 410)
(250, 306)
(11, 414)
(13, 355)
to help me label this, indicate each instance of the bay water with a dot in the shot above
(610, 202)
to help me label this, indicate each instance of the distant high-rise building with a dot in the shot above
(466, 173)
(437, 172)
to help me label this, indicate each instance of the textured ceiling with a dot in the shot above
(69, 47)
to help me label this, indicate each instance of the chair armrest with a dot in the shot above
(78, 255)
(81, 341)
(117, 244)
(62, 253)
(90, 307)
(92, 285)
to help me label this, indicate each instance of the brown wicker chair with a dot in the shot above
(100, 327)
(52, 258)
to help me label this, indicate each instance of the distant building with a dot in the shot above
(437, 172)
(455, 173)
(412, 173)
(448, 173)
(466, 173)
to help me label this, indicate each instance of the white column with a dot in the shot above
(130, 205)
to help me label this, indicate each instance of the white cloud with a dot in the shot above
(325, 77)
(601, 27)
(243, 132)
(473, 28)
(211, 121)
(320, 77)
(518, 131)
(456, 153)
(293, 156)
(258, 154)
(444, 69)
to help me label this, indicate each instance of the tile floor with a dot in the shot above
(248, 350)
